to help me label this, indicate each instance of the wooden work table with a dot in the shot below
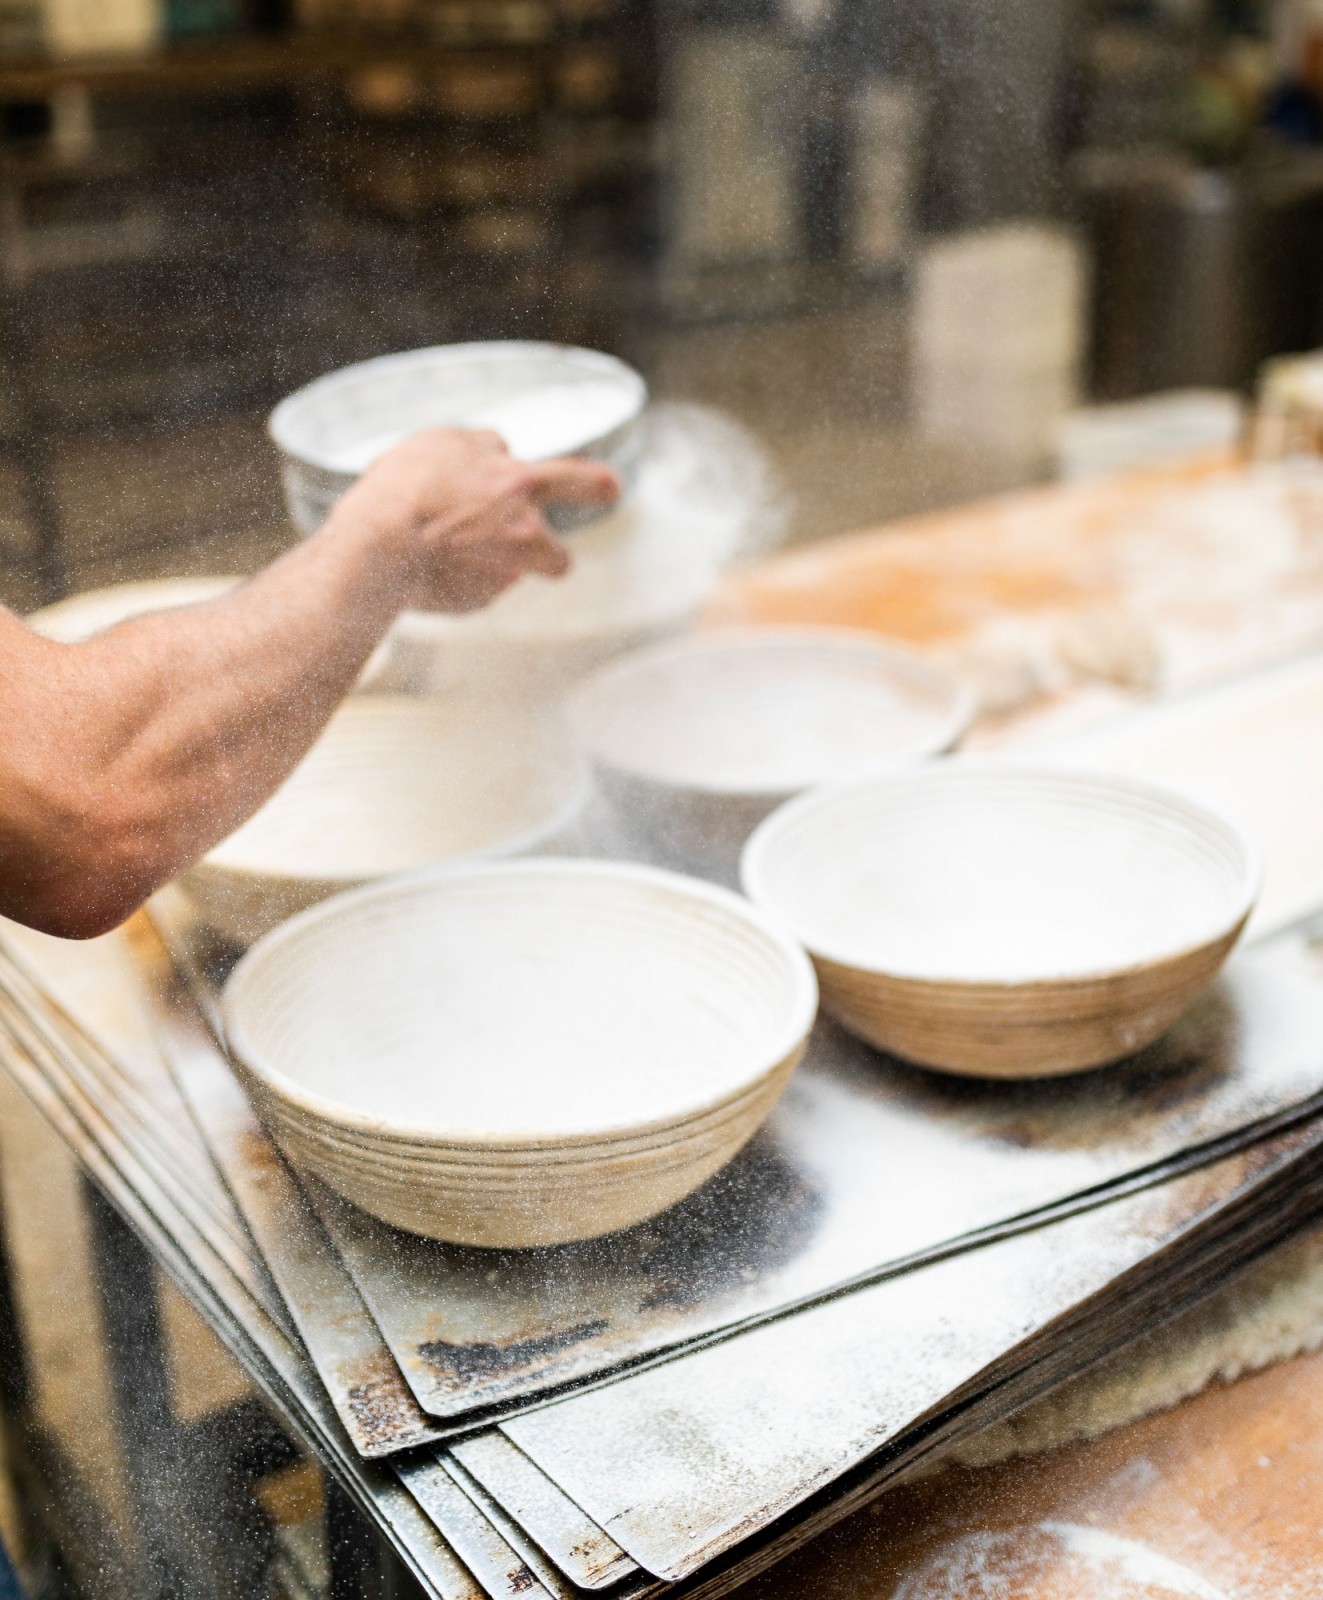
(1068, 596)
(1220, 1498)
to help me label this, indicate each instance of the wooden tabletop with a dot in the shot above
(1218, 1499)
(1157, 578)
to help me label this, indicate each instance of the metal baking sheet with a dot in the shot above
(112, 1112)
(455, 1512)
(363, 1383)
(688, 1459)
(587, 1556)
(866, 1165)
(374, 1404)
(503, 1572)
(125, 1163)
(627, 1386)
(535, 1559)
(1165, 1297)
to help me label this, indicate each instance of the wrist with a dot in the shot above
(380, 559)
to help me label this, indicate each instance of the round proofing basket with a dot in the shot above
(322, 429)
(616, 1032)
(535, 1213)
(1005, 921)
(694, 741)
(542, 1202)
(399, 1155)
(393, 784)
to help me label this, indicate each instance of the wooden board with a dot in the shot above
(1158, 578)
(1218, 1499)
(1253, 750)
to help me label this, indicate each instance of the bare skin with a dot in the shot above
(126, 758)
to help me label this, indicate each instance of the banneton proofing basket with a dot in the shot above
(329, 431)
(694, 741)
(1005, 921)
(394, 783)
(521, 1053)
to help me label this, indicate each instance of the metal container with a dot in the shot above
(1200, 275)
(330, 431)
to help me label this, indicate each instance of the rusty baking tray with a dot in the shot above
(136, 1164)
(682, 1464)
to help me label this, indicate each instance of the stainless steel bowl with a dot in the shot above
(329, 431)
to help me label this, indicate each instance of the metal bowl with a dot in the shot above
(331, 430)
(694, 741)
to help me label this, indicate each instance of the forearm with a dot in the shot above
(124, 759)
(129, 756)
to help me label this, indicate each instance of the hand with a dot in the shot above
(464, 518)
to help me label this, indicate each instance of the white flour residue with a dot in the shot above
(551, 419)
(1147, 1569)
(1093, 1563)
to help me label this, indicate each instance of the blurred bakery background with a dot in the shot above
(904, 243)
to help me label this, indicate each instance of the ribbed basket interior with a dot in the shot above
(540, 999)
(766, 712)
(999, 875)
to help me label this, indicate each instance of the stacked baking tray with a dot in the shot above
(896, 1262)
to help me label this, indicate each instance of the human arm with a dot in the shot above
(125, 758)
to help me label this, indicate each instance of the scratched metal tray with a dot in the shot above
(117, 1111)
(771, 1436)
(867, 1165)
(113, 1092)
(890, 1385)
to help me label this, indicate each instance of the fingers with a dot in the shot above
(537, 549)
(574, 479)
(487, 439)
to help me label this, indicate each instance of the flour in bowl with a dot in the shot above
(553, 419)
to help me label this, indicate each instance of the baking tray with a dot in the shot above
(134, 1168)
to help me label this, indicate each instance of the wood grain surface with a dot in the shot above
(1218, 1499)
(1157, 578)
